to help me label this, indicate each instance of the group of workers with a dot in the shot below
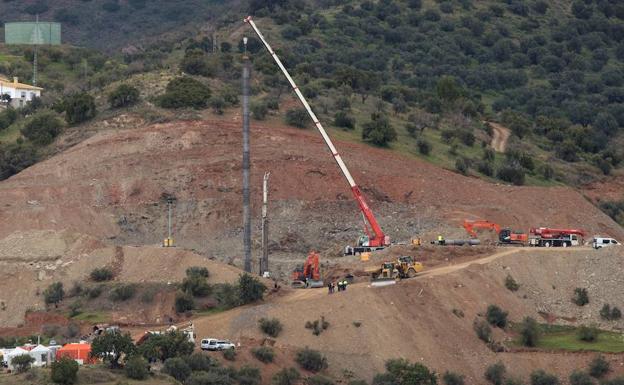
(341, 285)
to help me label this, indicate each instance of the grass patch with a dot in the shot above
(557, 337)
(95, 317)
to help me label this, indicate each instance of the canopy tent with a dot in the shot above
(41, 354)
(81, 353)
(14, 353)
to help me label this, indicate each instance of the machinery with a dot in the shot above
(375, 238)
(505, 236)
(547, 237)
(308, 275)
(404, 267)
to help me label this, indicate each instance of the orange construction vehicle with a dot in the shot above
(505, 235)
(308, 275)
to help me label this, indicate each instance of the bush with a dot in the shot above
(483, 330)
(511, 284)
(22, 362)
(101, 274)
(200, 362)
(168, 345)
(79, 108)
(378, 131)
(42, 128)
(229, 354)
(580, 378)
(401, 371)
(195, 62)
(271, 327)
(286, 376)
(7, 117)
(610, 314)
(588, 333)
(495, 373)
(124, 95)
(209, 378)
(317, 326)
(598, 367)
(581, 298)
(342, 119)
(122, 292)
(424, 147)
(511, 173)
(485, 167)
(94, 292)
(259, 110)
(184, 302)
(177, 368)
(540, 377)
(311, 360)
(496, 316)
(111, 346)
(136, 368)
(185, 92)
(616, 314)
(451, 378)
(263, 354)
(54, 293)
(250, 289)
(319, 380)
(461, 165)
(64, 371)
(297, 117)
(196, 285)
(529, 332)
(248, 375)
(197, 271)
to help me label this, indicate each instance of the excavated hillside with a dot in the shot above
(429, 319)
(113, 187)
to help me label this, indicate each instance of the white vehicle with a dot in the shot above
(599, 242)
(215, 344)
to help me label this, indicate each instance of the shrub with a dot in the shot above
(401, 371)
(259, 110)
(227, 295)
(184, 302)
(122, 292)
(587, 333)
(250, 288)
(177, 368)
(263, 354)
(598, 367)
(124, 95)
(185, 92)
(311, 360)
(195, 62)
(42, 128)
(319, 380)
(495, 373)
(64, 371)
(529, 332)
(7, 117)
(164, 346)
(451, 378)
(209, 378)
(297, 117)
(483, 330)
(94, 292)
(271, 327)
(461, 165)
(615, 313)
(540, 377)
(424, 147)
(248, 375)
(511, 284)
(136, 368)
(101, 274)
(22, 362)
(286, 376)
(485, 167)
(342, 119)
(229, 354)
(196, 285)
(580, 378)
(54, 293)
(317, 326)
(79, 108)
(511, 173)
(198, 362)
(581, 298)
(609, 314)
(496, 316)
(197, 271)
(218, 104)
(378, 131)
(119, 344)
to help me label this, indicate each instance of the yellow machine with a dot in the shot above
(404, 267)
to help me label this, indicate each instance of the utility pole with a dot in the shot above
(246, 204)
(169, 241)
(264, 260)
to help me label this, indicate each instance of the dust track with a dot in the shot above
(500, 137)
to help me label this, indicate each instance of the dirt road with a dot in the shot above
(500, 136)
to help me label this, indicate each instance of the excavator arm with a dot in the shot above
(377, 238)
(470, 227)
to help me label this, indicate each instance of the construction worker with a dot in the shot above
(344, 285)
(440, 239)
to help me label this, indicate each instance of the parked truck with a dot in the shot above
(547, 237)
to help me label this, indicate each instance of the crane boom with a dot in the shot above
(377, 238)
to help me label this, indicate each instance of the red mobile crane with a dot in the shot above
(547, 237)
(374, 239)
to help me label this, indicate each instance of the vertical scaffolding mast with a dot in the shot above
(246, 208)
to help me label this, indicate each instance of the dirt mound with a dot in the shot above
(415, 319)
(111, 187)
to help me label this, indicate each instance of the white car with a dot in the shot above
(215, 344)
(599, 242)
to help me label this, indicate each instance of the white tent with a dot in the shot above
(14, 353)
(41, 354)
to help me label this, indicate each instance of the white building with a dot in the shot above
(19, 93)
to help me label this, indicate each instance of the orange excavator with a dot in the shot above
(308, 275)
(505, 235)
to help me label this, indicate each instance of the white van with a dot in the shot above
(215, 344)
(599, 242)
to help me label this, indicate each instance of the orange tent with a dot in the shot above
(79, 352)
